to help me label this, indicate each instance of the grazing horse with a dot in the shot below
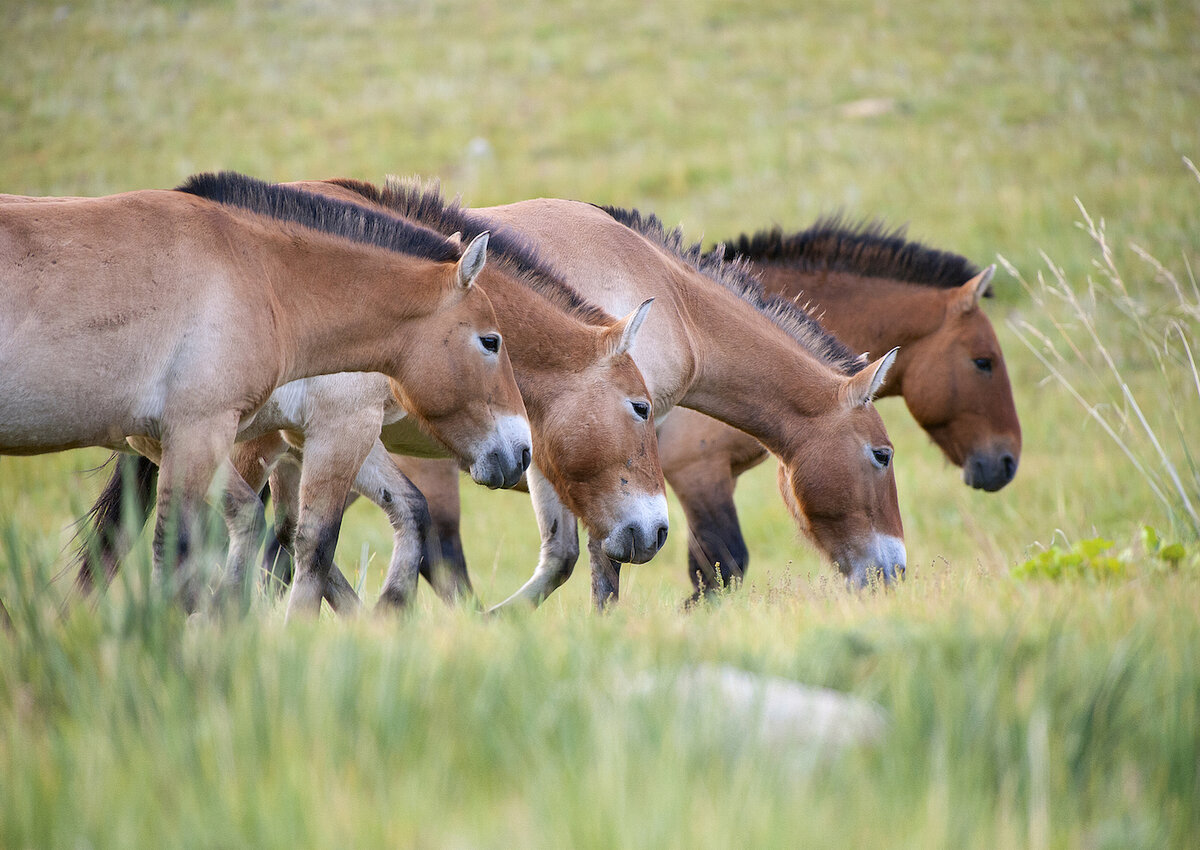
(874, 290)
(167, 318)
(588, 407)
(716, 343)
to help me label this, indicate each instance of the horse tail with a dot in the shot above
(129, 493)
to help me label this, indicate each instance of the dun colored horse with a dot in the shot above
(715, 345)
(588, 406)
(874, 290)
(167, 319)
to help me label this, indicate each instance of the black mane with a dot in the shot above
(328, 215)
(734, 274)
(423, 202)
(864, 248)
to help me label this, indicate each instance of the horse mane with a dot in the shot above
(422, 201)
(865, 248)
(734, 274)
(328, 215)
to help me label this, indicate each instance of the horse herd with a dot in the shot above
(329, 338)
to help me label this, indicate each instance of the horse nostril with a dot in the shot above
(662, 536)
(1009, 463)
(526, 457)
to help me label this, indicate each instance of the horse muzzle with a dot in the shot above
(503, 460)
(885, 560)
(989, 471)
(639, 540)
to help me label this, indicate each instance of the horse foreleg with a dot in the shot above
(560, 544)
(192, 451)
(445, 567)
(717, 552)
(606, 575)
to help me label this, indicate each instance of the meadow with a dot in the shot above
(1041, 689)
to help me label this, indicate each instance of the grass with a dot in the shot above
(1022, 713)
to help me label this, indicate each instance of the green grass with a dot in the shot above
(1023, 713)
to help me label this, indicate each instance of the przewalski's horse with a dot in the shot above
(717, 343)
(168, 318)
(874, 290)
(588, 407)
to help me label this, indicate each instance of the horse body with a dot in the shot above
(100, 338)
(168, 319)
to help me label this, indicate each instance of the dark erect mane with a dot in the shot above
(328, 215)
(734, 274)
(863, 248)
(423, 202)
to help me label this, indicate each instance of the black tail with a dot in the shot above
(129, 493)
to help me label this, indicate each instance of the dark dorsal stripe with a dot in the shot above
(328, 215)
(423, 202)
(865, 248)
(735, 275)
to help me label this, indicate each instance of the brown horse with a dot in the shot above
(588, 406)
(874, 290)
(168, 318)
(717, 344)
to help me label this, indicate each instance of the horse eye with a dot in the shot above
(490, 342)
(983, 364)
(882, 457)
(641, 409)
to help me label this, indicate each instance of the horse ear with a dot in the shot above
(621, 335)
(861, 388)
(472, 260)
(974, 289)
(456, 238)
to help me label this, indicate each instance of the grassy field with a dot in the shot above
(1023, 712)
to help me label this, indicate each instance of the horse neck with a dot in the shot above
(341, 307)
(750, 373)
(869, 315)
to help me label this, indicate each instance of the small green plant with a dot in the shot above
(1170, 554)
(1087, 559)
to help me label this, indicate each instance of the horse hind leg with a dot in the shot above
(445, 567)
(284, 485)
(333, 457)
(381, 481)
(243, 511)
(717, 552)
